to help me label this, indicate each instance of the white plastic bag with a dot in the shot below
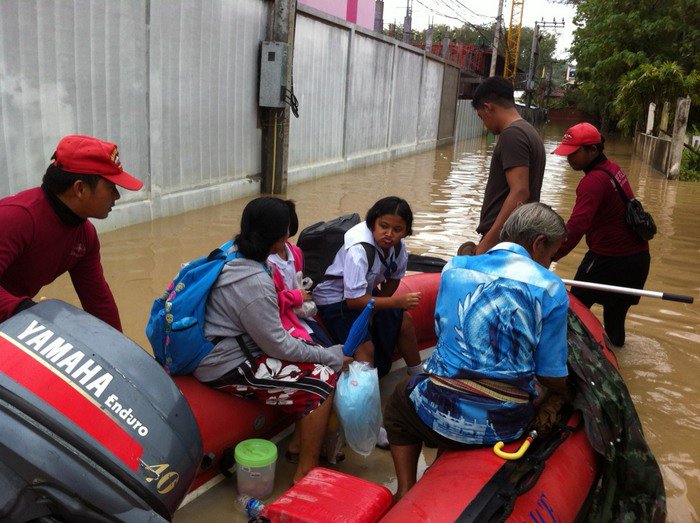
(358, 406)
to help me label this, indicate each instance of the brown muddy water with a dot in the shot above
(659, 361)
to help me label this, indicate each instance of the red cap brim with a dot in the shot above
(124, 179)
(566, 150)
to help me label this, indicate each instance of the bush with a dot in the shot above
(690, 166)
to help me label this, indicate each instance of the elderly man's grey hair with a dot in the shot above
(531, 220)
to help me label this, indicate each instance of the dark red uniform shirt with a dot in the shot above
(599, 213)
(37, 246)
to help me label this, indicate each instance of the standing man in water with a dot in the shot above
(517, 164)
(616, 255)
(45, 232)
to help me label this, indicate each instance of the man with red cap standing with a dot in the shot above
(616, 255)
(45, 232)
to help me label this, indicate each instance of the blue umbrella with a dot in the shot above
(358, 330)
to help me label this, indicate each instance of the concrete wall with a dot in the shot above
(369, 96)
(175, 85)
(448, 105)
(363, 98)
(468, 124)
(653, 150)
(204, 132)
(58, 77)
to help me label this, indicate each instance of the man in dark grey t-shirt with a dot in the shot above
(517, 164)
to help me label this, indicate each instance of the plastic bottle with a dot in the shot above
(252, 507)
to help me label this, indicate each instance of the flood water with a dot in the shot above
(659, 361)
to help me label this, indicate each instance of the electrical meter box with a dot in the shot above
(273, 74)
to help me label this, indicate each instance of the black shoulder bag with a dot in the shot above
(640, 221)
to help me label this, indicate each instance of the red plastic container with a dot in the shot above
(327, 495)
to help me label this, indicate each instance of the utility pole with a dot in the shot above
(496, 37)
(536, 37)
(445, 49)
(379, 16)
(275, 119)
(429, 38)
(529, 83)
(407, 22)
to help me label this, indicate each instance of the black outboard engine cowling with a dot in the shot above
(91, 427)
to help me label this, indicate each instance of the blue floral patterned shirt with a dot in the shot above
(500, 319)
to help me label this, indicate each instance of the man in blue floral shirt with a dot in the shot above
(501, 325)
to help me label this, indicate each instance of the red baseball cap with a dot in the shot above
(576, 136)
(79, 154)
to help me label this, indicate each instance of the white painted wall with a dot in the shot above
(174, 83)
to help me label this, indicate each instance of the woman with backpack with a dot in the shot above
(254, 357)
(368, 266)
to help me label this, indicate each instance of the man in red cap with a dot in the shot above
(616, 255)
(45, 232)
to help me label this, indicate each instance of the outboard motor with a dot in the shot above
(91, 427)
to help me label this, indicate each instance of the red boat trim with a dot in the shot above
(496, 499)
(21, 365)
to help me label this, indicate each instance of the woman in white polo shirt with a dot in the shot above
(358, 275)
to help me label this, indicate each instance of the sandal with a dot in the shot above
(293, 457)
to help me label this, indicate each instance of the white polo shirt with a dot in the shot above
(286, 268)
(351, 263)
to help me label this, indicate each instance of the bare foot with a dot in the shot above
(298, 475)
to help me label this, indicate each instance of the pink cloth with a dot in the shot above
(289, 299)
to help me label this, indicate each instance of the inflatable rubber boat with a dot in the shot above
(93, 429)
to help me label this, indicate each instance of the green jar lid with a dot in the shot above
(255, 453)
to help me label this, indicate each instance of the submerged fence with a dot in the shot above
(175, 85)
(468, 123)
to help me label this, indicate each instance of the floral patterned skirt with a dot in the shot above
(297, 388)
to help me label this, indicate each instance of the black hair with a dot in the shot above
(57, 181)
(495, 89)
(391, 205)
(600, 147)
(293, 218)
(265, 220)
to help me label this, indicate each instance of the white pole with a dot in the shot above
(632, 292)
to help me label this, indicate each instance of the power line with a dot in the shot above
(470, 10)
(477, 28)
(441, 14)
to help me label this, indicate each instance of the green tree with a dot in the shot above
(613, 38)
(652, 83)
